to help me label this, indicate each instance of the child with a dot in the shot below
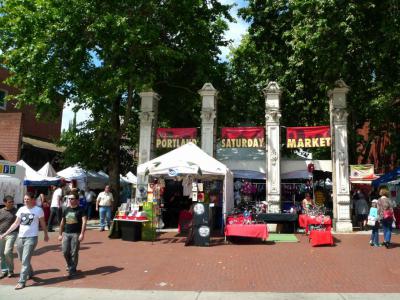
(373, 214)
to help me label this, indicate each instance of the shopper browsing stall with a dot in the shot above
(307, 203)
(28, 219)
(104, 204)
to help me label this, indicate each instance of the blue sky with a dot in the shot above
(235, 32)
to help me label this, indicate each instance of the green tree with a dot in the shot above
(306, 45)
(98, 54)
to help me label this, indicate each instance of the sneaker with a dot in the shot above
(19, 286)
(377, 245)
(107, 228)
(371, 243)
(102, 229)
(10, 274)
(387, 244)
(3, 274)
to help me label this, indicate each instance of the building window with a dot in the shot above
(3, 95)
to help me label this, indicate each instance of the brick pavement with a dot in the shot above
(352, 266)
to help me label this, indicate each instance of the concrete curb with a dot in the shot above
(35, 293)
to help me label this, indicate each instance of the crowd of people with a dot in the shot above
(69, 210)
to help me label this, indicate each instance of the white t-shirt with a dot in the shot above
(105, 199)
(29, 217)
(55, 198)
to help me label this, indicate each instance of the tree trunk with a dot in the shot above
(114, 152)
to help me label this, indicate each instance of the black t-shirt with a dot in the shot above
(73, 219)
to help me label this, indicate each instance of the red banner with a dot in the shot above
(175, 137)
(308, 137)
(243, 137)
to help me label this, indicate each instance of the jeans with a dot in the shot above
(54, 212)
(387, 229)
(70, 249)
(25, 248)
(89, 209)
(6, 252)
(375, 235)
(105, 213)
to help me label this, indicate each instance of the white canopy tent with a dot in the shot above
(84, 178)
(33, 178)
(48, 170)
(190, 159)
(131, 177)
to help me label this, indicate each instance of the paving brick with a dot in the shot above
(166, 264)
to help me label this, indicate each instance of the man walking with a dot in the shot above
(104, 204)
(55, 207)
(7, 218)
(90, 196)
(72, 232)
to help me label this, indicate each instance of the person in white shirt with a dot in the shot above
(90, 196)
(104, 204)
(28, 219)
(55, 206)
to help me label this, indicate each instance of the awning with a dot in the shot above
(41, 144)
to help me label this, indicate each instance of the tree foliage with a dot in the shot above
(306, 45)
(98, 54)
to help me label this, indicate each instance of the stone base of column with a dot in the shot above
(343, 226)
(274, 204)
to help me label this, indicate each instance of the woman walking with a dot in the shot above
(386, 215)
(28, 219)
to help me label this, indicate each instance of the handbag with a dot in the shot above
(394, 224)
(371, 221)
(387, 214)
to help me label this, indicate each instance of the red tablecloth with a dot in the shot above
(249, 230)
(305, 221)
(185, 218)
(320, 237)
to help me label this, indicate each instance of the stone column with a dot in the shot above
(272, 94)
(340, 159)
(208, 117)
(148, 124)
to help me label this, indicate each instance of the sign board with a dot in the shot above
(243, 137)
(308, 137)
(171, 138)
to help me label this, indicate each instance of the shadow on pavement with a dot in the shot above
(55, 248)
(105, 270)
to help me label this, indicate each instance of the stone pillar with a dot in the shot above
(148, 124)
(208, 117)
(272, 94)
(340, 158)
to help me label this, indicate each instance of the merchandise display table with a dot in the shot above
(247, 230)
(305, 221)
(129, 228)
(320, 237)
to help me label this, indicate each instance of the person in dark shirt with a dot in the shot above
(7, 218)
(72, 232)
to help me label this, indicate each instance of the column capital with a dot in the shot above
(208, 90)
(149, 100)
(272, 88)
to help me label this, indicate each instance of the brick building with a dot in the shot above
(21, 135)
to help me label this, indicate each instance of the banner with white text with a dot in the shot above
(308, 137)
(243, 137)
(171, 138)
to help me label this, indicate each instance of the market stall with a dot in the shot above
(201, 178)
(12, 181)
(33, 178)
